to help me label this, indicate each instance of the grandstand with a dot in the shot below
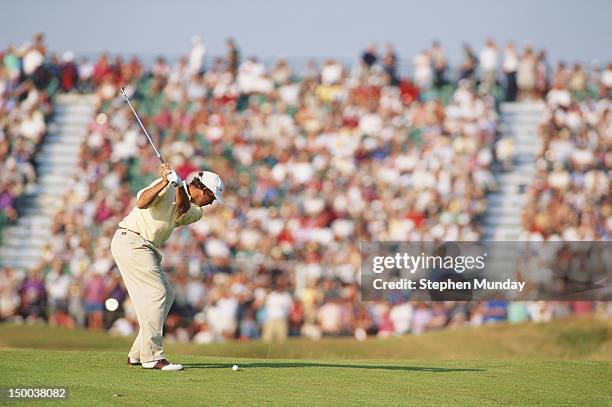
(315, 159)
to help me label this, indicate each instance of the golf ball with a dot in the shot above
(235, 368)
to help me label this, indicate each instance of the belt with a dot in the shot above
(129, 230)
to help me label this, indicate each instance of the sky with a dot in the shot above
(569, 30)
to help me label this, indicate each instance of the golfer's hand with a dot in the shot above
(174, 178)
(165, 171)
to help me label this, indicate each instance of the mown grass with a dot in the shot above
(102, 378)
(563, 363)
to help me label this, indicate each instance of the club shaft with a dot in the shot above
(142, 126)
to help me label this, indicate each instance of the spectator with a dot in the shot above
(252, 77)
(331, 72)
(423, 73)
(578, 82)
(10, 299)
(277, 309)
(101, 70)
(233, 57)
(606, 82)
(488, 63)
(510, 67)
(7, 202)
(296, 318)
(385, 324)
(389, 63)
(504, 152)
(560, 75)
(518, 312)
(526, 75)
(495, 311)
(12, 64)
(69, 75)
(203, 333)
(330, 316)
(34, 56)
(62, 319)
(439, 316)
(95, 295)
(468, 68)
(369, 56)
(115, 288)
(542, 75)
(85, 73)
(196, 56)
(247, 315)
(195, 295)
(58, 284)
(401, 316)
(439, 64)
(421, 318)
(222, 316)
(34, 297)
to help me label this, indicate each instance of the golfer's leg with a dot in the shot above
(121, 249)
(135, 350)
(169, 295)
(151, 307)
(168, 299)
(168, 287)
(132, 287)
(144, 280)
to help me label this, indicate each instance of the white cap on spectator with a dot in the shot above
(68, 56)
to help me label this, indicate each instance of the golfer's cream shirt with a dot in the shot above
(157, 222)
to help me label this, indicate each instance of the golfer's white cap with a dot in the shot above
(211, 181)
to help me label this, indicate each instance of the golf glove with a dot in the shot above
(174, 179)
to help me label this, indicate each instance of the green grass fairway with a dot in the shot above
(102, 378)
(563, 363)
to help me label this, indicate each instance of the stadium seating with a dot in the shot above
(314, 161)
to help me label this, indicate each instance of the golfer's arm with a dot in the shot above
(182, 200)
(148, 195)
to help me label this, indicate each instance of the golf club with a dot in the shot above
(142, 126)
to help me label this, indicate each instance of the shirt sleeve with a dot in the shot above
(159, 196)
(194, 214)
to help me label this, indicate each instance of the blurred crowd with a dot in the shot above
(570, 197)
(25, 110)
(313, 162)
(221, 307)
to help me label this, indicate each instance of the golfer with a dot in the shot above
(164, 205)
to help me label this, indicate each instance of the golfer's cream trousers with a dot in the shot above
(150, 291)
